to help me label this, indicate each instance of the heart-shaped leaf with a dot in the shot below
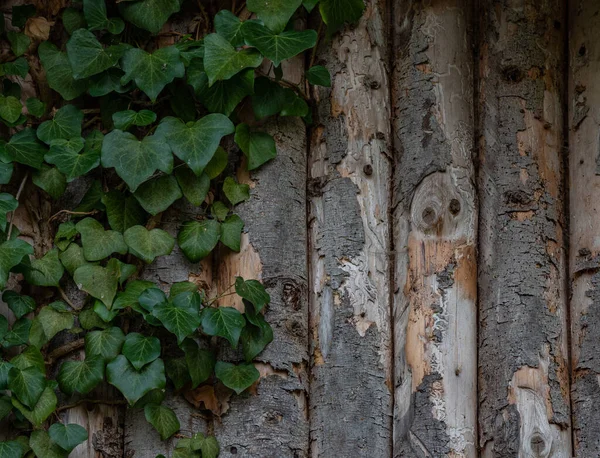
(152, 72)
(140, 350)
(46, 271)
(239, 377)
(7, 204)
(319, 76)
(148, 245)
(35, 107)
(229, 26)
(135, 384)
(5, 368)
(226, 322)
(123, 212)
(194, 188)
(177, 371)
(99, 282)
(81, 376)
(198, 238)
(235, 192)
(259, 147)
(336, 13)
(30, 357)
(19, 304)
(27, 384)
(129, 297)
(50, 180)
(209, 446)
(88, 57)
(106, 82)
(18, 67)
(11, 254)
(199, 361)
(11, 449)
(123, 120)
(47, 324)
(69, 158)
(72, 258)
(223, 96)
(42, 409)
(135, 161)
(231, 232)
(253, 291)
(68, 436)
(255, 338)
(44, 447)
(149, 15)
(222, 61)
(19, 42)
(158, 194)
(274, 13)
(24, 147)
(10, 108)
(278, 46)
(97, 242)
(72, 20)
(163, 419)
(6, 171)
(180, 316)
(65, 234)
(195, 143)
(65, 125)
(19, 333)
(106, 344)
(97, 19)
(59, 73)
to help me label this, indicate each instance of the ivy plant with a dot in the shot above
(144, 124)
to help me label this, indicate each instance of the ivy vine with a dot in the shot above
(144, 126)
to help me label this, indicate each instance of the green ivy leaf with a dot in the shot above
(129, 297)
(81, 376)
(123, 212)
(107, 82)
(259, 147)
(319, 76)
(20, 305)
(179, 316)
(92, 198)
(219, 211)
(226, 322)
(46, 271)
(177, 371)
(3, 329)
(5, 368)
(68, 436)
(23, 147)
(44, 447)
(222, 61)
(253, 291)
(270, 98)
(163, 419)
(42, 409)
(50, 180)
(123, 120)
(151, 297)
(10, 108)
(229, 26)
(135, 384)
(235, 192)
(231, 232)
(73, 19)
(140, 350)
(135, 161)
(182, 287)
(65, 234)
(102, 311)
(27, 384)
(200, 362)
(47, 324)
(69, 158)
(274, 13)
(195, 143)
(11, 449)
(66, 124)
(278, 46)
(97, 242)
(72, 258)
(147, 245)
(209, 446)
(149, 15)
(6, 171)
(18, 335)
(152, 72)
(88, 57)
(97, 19)
(19, 42)
(59, 73)
(30, 357)
(158, 194)
(18, 67)
(99, 282)
(11, 254)
(255, 338)
(197, 239)
(217, 164)
(106, 344)
(194, 188)
(239, 377)
(336, 13)
(7, 204)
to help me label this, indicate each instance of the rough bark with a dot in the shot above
(523, 376)
(349, 188)
(584, 248)
(435, 216)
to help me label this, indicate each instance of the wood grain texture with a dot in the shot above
(349, 195)
(523, 375)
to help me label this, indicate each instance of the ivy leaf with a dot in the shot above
(24, 147)
(239, 377)
(11, 254)
(195, 143)
(158, 194)
(217, 164)
(177, 371)
(80, 376)
(30, 357)
(336, 13)
(102, 311)
(18, 335)
(47, 324)
(179, 316)
(123, 120)
(278, 46)
(231, 232)
(7, 204)
(226, 322)
(123, 212)
(59, 73)
(182, 287)
(107, 82)
(209, 446)
(222, 61)
(97, 242)
(99, 282)
(11, 449)
(66, 124)
(18, 67)
(106, 344)
(6, 171)
(152, 72)
(19, 42)
(129, 297)
(10, 108)
(72, 258)
(274, 13)
(194, 188)
(149, 15)
(197, 239)
(20, 305)
(3, 332)
(68, 436)
(5, 368)
(135, 161)
(97, 19)
(69, 158)
(253, 291)
(256, 338)
(65, 234)
(88, 57)
(319, 76)
(44, 447)
(92, 198)
(27, 384)
(147, 245)
(219, 211)
(135, 384)
(235, 192)
(46, 271)
(72, 20)
(42, 409)
(50, 180)
(140, 350)
(163, 419)
(229, 26)
(259, 147)
(200, 362)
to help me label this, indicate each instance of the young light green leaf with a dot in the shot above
(253, 291)
(10, 108)
(197, 239)
(222, 61)
(235, 192)
(336, 13)
(44, 447)
(47, 324)
(199, 361)
(27, 384)
(274, 13)
(163, 419)
(66, 124)
(135, 161)
(7, 204)
(88, 57)
(149, 15)
(11, 254)
(106, 344)
(179, 316)
(123, 120)
(30, 357)
(209, 446)
(158, 194)
(59, 73)
(226, 322)
(65, 234)
(80, 376)
(231, 232)
(68, 436)
(239, 377)
(123, 212)
(140, 350)
(51, 180)
(147, 245)
(19, 42)
(97, 242)
(219, 211)
(24, 147)
(194, 188)
(46, 271)
(97, 19)
(19, 333)
(229, 26)
(69, 158)
(72, 258)
(20, 305)
(99, 282)
(319, 76)
(42, 409)
(135, 384)
(259, 147)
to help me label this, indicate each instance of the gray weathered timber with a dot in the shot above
(523, 375)
(349, 194)
(435, 219)
(273, 421)
(584, 249)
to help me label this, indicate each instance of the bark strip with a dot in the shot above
(523, 376)
(435, 219)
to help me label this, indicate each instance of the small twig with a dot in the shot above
(223, 294)
(108, 402)
(91, 111)
(64, 350)
(12, 215)
(69, 212)
(314, 50)
(90, 122)
(66, 298)
(288, 84)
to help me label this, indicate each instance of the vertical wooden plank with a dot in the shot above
(349, 195)
(523, 376)
(435, 219)
(584, 250)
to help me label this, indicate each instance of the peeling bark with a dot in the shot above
(349, 194)
(523, 376)
(435, 220)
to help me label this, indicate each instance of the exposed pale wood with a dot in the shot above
(523, 376)
(349, 195)
(584, 257)
(435, 231)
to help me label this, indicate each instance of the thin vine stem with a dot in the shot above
(17, 197)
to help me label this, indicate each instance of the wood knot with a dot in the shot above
(538, 445)
(368, 170)
(512, 74)
(454, 207)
